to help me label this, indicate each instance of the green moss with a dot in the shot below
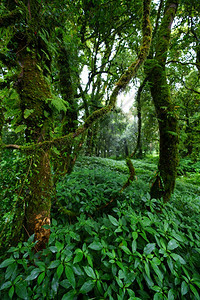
(164, 183)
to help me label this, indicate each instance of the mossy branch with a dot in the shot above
(127, 183)
(131, 174)
(164, 32)
(120, 85)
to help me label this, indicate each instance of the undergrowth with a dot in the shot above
(137, 249)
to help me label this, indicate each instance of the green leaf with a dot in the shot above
(145, 222)
(87, 287)
(20, 128)
(11, 292)
(147, 270)
(163, 243)
(184, 288)
(157, 271)
(119, 281)
(172, 133)
(40, 277)
(134, 246)
(58, 103)
(196, 282)
(60, 270)
(54, 222)
(99, 287)
(79, 256)
(173, 244)
(53, 249)
(31, 238)
(89, 259)
(179, 237)
(177, 257)
(11, 269)
(69, 296)
(70, 276)
(149, 248)
(125, 249)
(28, 112)
(170, 295)
(95, 246)
(158, 296)
(193, 289)
(55, 283)
(33, 275)
(156, 288)
(54, 264)
(21, 290)
(90, 272)
(41, 265)
(59, 246)
(113, 220)
(156, 261)
(7, 262)
(135, 235)
(65, 283)
(6, 285)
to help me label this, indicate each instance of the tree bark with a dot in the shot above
(34, 91)
(164, 183)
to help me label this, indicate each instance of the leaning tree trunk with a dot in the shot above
(34, 93)
(164, 184)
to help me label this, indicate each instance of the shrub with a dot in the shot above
(126, 255)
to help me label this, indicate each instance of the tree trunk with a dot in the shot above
(164, 184)
(38, 198)
(34, 91)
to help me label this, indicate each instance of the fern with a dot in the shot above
(58, 103)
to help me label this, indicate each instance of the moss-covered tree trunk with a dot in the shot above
(34, 91)
(167, 119)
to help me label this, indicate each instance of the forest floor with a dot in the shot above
(95, 180)
(119, 245)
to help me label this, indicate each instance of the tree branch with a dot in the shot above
(179, 62)
(12, 146)
(120, 85)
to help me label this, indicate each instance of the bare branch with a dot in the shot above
(12, 146)
(182, 63)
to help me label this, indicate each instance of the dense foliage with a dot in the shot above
(90, 227)
(141, 249)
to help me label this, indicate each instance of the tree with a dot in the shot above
(166, 114)
(28, 29)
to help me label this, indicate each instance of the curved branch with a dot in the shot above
(12, 146)
(189, 89)
(179, 62)
(120, 85)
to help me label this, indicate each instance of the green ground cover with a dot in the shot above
(134, 248)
